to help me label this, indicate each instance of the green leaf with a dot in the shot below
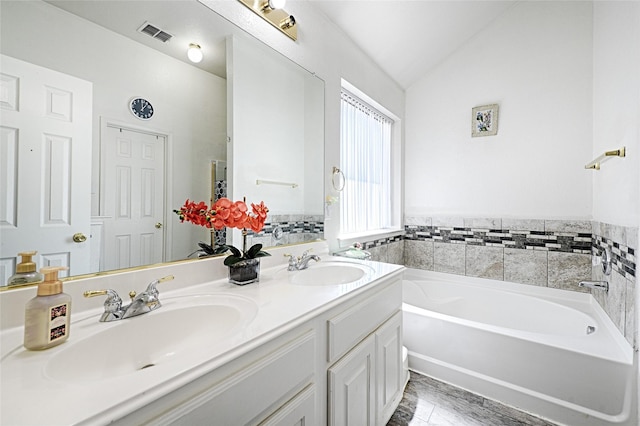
(235, 251)
(255, 249)
(221, 249)
(225, 248)
(206, 248)
(231, 260)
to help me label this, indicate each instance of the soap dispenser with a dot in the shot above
(25, 270)
(48, 315)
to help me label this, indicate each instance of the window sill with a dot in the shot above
(346, 240)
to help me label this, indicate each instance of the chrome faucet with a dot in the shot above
(301, 262)
(602, 285)
(142, 303)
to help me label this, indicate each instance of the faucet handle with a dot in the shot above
(112, 304)
(151, 288)
(112, 295)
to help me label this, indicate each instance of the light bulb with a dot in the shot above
(194, 53)
(277, 4)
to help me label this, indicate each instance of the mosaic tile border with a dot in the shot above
(381, 242)
(623, 258)
(563, 240)
(294, 224)
(220, 191)
(567, 242)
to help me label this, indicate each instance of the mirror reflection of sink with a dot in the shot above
(177, 331)
(329, 273)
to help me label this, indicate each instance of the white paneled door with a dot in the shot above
(133, 182)
(45, 166)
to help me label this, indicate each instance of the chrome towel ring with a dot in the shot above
(339, 186)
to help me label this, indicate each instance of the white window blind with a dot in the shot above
(365, 153)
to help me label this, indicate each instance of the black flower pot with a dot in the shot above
(245, 272)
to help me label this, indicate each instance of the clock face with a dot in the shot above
(141, 108)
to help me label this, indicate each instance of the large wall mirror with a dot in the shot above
(90, 185)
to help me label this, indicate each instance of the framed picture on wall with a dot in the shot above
(484, 120)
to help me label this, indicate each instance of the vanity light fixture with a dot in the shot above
(272, 12)
(194, 53)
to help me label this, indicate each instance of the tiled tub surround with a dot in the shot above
(619, 302)
(389, 250)
(546, 253)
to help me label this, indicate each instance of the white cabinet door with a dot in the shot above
(352, 396)
(45, 146)
(389, 372)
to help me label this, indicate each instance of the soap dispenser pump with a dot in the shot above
(48, 315)
(25, 270)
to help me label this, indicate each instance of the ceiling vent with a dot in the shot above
(155, 32)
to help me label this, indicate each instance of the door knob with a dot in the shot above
(158, 225)
(79, 238)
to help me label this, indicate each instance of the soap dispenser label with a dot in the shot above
(58, 322)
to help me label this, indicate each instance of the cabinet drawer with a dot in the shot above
(254, 392)
(351, 326)
(301, 410)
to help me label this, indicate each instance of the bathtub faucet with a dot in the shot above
(602, 285)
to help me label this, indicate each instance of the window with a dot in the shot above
(366, 161)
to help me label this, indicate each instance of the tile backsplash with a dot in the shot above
(547, 253)
(289, 229)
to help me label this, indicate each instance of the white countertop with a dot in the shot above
(31, 396)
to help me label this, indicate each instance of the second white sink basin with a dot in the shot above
(179, 330)
(330, 273)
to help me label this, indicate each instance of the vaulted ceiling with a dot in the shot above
(407, 38)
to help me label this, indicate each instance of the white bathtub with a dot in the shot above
(525, 346)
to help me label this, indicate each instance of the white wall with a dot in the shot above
(121, 69)
(324, 50)
(616, 111)
(616, 121)
(535, 62)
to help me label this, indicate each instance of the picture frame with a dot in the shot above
(484, 120)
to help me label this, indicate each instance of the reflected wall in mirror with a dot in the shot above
(275, 159)
(129, 173)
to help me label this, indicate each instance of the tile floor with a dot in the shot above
(428, 402)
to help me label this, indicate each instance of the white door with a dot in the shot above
(45, 166)
(133, 183)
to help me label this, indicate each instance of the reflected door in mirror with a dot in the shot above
(133, 197)
(46, 142)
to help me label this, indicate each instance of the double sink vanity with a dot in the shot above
(318, 346)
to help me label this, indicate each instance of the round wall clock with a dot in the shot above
(141, 108)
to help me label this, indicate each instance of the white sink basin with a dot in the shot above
(329, 273)
(180, 329)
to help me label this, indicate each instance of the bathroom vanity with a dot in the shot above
(319, 346)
